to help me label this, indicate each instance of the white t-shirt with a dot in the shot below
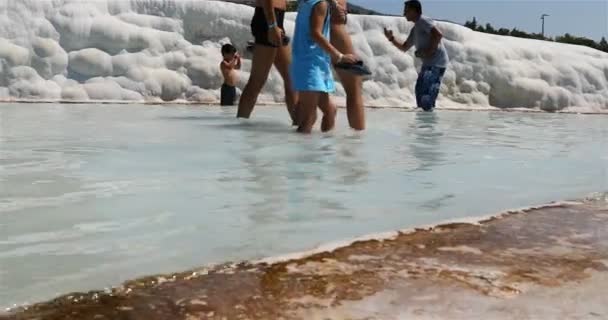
(420, 37)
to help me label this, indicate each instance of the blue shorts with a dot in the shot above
(427, 86)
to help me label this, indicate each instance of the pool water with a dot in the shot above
(92, 195)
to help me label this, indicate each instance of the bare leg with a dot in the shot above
(329, 110)
(307, 110)
(352, 84)
(263, 57)
(282, 62)
(354, 99)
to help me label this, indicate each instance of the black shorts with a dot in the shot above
(259, 26)
(227, 95)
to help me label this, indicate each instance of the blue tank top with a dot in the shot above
(303, 45)
(311, 65)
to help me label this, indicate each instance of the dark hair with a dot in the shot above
(228, 49)
(413, 4)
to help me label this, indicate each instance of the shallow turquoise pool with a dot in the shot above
(91, 195)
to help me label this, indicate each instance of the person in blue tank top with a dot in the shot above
(311, 72)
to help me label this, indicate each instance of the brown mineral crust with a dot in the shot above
(498, 257)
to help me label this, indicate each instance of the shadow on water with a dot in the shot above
(289, 179)
(257, 126)
(426, 144)
(427, 150)
(227, 113)
(206, 117)
(226, 120)
(265, 182)
(352, 164)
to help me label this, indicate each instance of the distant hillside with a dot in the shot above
(245, 2)
(352, 8)
(292, 6)
(355, 9)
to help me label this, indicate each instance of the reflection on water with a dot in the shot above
(265, 181)
(351, 165)
(93, 195)
(285, 173)
(426, 144)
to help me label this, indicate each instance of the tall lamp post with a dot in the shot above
(542, 17)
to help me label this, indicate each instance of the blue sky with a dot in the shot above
(587, 18)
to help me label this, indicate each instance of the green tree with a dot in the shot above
(537, 36)
(489, 28)
(568, 38)
(472, 24)
(503, 31)
(603, 45)
(516, 33)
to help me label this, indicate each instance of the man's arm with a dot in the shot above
(237, 66)
(405, 46)
(234, 64)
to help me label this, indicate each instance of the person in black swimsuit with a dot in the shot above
(271, 47)
(259, 28)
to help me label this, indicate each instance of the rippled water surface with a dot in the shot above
(93, 195)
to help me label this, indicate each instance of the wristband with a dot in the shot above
(272, 25)
(340, 57)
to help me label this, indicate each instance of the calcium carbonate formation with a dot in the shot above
(169, 50)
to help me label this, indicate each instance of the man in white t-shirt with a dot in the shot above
(427, 39)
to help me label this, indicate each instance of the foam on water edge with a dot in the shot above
(335, 245)
(513, 264)
(391, 235)
(340, 105)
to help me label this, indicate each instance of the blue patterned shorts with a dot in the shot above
(427, 87)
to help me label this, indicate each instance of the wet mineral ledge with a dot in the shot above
(542, 263)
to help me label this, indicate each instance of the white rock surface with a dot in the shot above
(153, 50)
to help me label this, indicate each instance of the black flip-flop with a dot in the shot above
(357, 68)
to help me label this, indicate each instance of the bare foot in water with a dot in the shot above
(328, 122)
